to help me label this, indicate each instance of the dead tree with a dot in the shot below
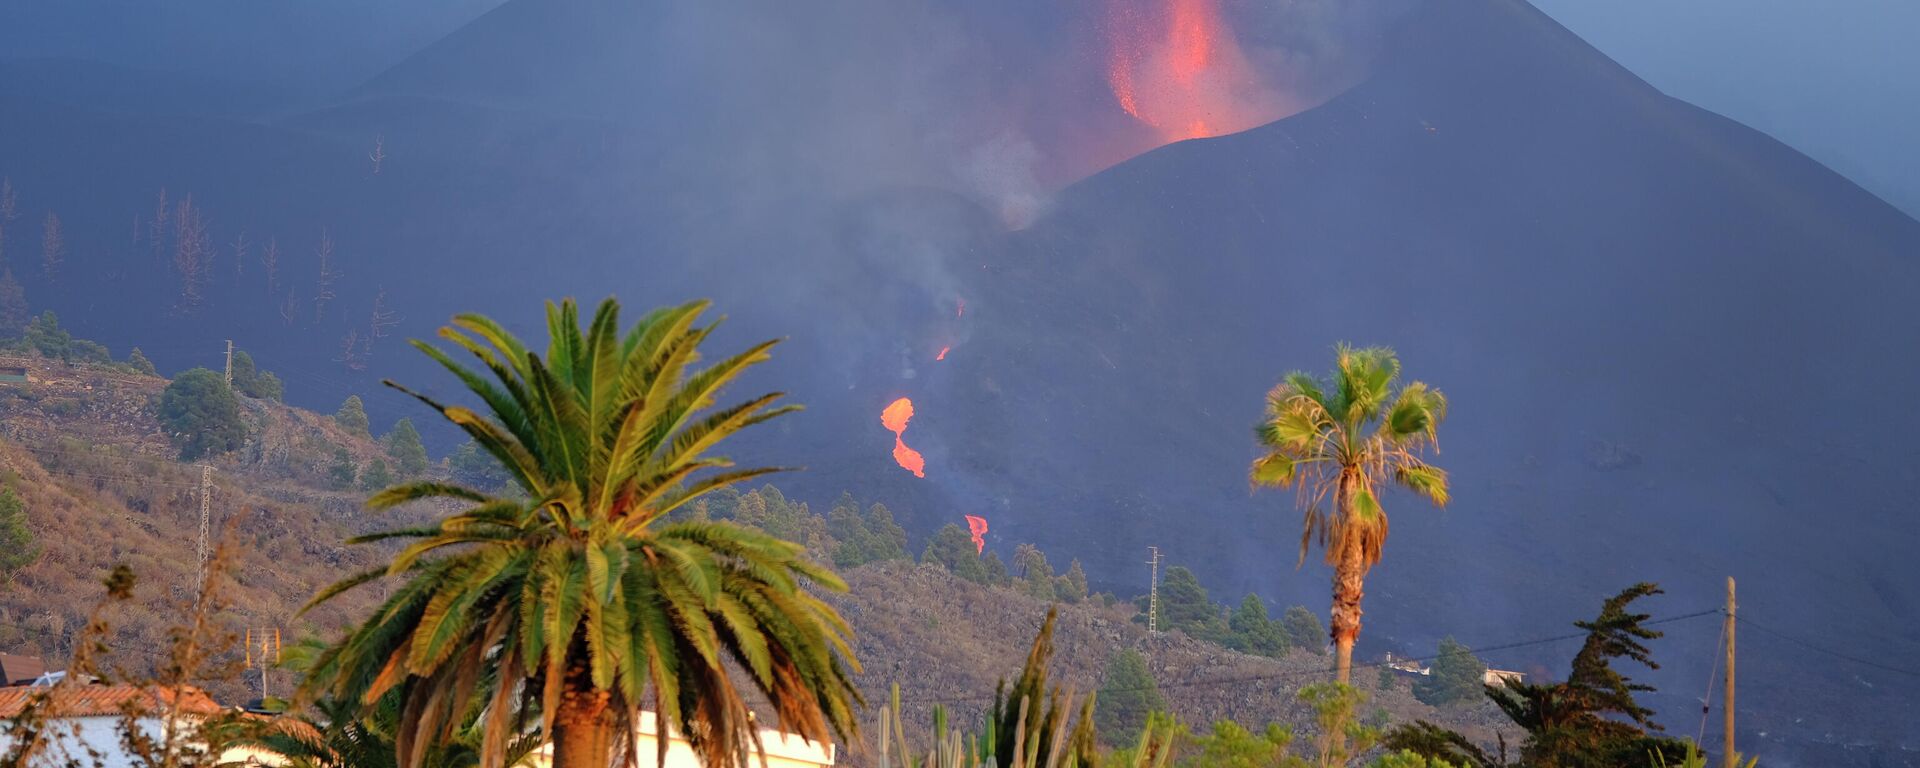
(9, 202)
(53, 246)
(323, 287)
(240, 246)
(270, 261)
(9, 210)
(192, 255)
(383, 319)
(379, 153)
(157, 226)
(290, 308)
(351, 354)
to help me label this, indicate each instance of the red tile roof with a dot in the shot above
(105, 700)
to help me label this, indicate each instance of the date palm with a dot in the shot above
(572, 600)
(1338, 443)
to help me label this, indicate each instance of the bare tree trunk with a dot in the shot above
(1349, 574)
(584, 723)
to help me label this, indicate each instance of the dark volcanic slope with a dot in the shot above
(1675, 349)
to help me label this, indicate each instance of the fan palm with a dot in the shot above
(574, 598)
(1341, 441)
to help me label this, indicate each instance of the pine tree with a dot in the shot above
(1457, 675)
(1253, 632)
(1185, 606)
(377, 477)
(952, 548)
(1128, 694)
(140, 364)
(403, 445)
(353, 416)
(201, 414)
(1073, 586)
(340, 475)
(1304, 629)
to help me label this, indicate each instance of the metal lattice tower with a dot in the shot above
(206, 513)
(1153, 590)
(229, 362)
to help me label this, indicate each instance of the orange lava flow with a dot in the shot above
(895, 418)
(1177, 68)
(978, 527)
(943, 354)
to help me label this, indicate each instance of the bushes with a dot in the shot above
(18, 547)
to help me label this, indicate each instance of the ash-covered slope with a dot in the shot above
(1675, 350)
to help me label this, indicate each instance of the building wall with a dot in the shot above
(782, 750)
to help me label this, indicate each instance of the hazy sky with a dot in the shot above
(1837, 79)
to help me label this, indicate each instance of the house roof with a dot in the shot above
(16, 669)
(105, 700)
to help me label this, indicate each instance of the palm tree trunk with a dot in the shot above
(1349, 573)
(583, 724)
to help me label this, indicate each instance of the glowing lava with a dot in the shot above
(895, 418)
(943, 354)
(978, 527)
(1175, 66)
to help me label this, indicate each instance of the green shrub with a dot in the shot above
(201, 415)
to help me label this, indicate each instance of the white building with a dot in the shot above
(783, 750)
(83, 717)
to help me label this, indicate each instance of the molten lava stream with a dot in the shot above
(978, 527)
(943, 354)
(895, 418)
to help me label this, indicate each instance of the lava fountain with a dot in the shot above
(1177, 68)
(895, 418)
(978, 527)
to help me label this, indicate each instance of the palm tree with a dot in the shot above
(573, 600)
(1345, 439)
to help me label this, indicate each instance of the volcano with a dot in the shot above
(1653, 325)
(1676, 349)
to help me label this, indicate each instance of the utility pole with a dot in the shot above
(1153, 590)
(206, 512)
(1726, 747)
(229, 362)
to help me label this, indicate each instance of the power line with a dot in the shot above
(1836, 654)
